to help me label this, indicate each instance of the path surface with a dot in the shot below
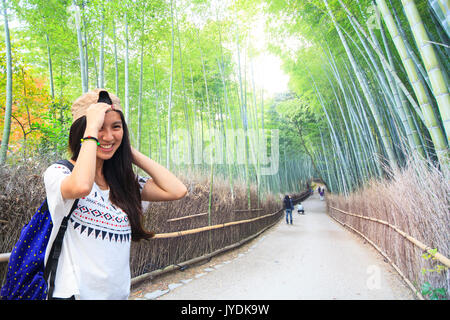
(315, 258)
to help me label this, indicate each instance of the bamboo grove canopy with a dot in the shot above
(368, 83)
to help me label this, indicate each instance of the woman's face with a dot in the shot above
(110, 135)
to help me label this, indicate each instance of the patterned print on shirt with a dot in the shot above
(110, 224)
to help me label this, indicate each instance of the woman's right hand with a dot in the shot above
(79, 183)
(95, 116)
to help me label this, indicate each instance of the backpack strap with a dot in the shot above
(52, 262)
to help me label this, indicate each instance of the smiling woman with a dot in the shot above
(110, 135)
(94, 262)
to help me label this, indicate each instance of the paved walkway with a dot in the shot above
(315, 258)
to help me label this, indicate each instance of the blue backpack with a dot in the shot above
(27, 277)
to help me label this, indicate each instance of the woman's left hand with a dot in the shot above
(163, 185)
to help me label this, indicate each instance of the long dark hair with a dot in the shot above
(118, 171)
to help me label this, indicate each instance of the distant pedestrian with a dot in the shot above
(300, 208)
(288, 206)
(322, 193)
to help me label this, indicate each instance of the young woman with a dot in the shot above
(94, 261)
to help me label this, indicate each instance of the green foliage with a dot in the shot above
(54, 130)
(207, 35)
(427, 289)
(433, 293)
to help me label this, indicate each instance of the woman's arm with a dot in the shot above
(163, 186)
(79, 183)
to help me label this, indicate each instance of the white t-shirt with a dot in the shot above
(95, 257)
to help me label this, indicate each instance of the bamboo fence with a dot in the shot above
(217, 226)
(438, 256)
(4, 257)
(176, 248)
(173, 267)
(443, 259)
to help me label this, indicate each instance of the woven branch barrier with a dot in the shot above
(195, 259)
(173, 267)
(423, 247)
(179, 234)
(205, 213)
(4, 257)
(217, 226)
(411, 239)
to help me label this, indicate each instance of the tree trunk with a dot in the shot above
(116, 63)
(84, 84)
(50, 66)
(141, 79)
(367, 94)
(185, 107)
(169, 115)
(427, 113)
(400, 100)
(157, 110)
(127, 105)
(101, 80)
(431, 63)
(8, 105)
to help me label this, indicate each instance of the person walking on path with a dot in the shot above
(95, 255)
(322, 193)
(288, 206)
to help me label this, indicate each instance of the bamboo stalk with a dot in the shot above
(127, 75)
(84, 76)
(116, 62)
(430, 61)
(4, 257)
(170, 104)
(367, 94)
(426, 112)
(437, 255)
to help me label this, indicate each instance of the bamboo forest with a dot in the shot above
(245, 101)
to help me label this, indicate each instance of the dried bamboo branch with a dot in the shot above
(4, 257)
(217, 226)
(187, 217)
(205, 213)
(248, 210)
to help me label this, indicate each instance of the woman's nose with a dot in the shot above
(107, 135)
